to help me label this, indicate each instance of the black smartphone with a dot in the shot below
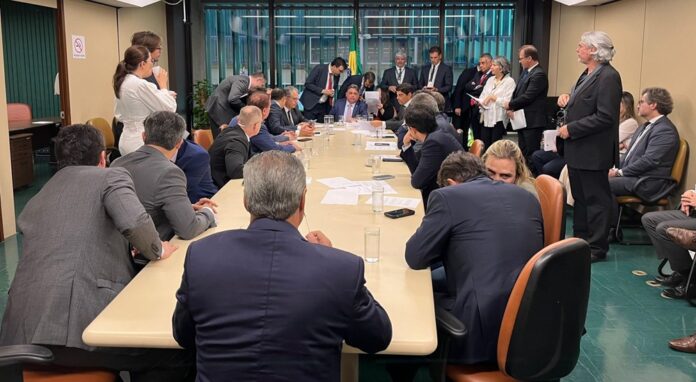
(304, 139)
(399, 213)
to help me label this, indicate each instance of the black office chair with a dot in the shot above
(13, 358)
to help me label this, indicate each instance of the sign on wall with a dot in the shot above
(79, 49)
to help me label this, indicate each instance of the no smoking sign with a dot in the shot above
(79, 49)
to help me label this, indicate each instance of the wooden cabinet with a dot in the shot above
(22, 159)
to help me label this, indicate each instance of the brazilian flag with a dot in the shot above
(354, 55)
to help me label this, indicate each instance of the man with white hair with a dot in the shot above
(397, 75)
(591, 135)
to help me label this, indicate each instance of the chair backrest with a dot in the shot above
(477, 148)
(552, 199)
(203, 138)
(18, 112)
(680, 161)
(545, 314)
(103, 125)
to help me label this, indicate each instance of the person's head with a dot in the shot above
(260, 99)
(424, 99)
(151, 41)
(528, 56)
(279, 96)
(485, 61)
(435, 55)
(459, 167)
(627, 107)
(164, 129)
(420, 120)
(368, 79)
(439, 100)
(338, 65)
(136, 60)
(595, 46)
(292, 96)
(250, 119)
(80, 145)
(400, 59)
(274, 187)
(653, 102)
(257, 80)
(352, 94)
(504, 162)
(404, 93)
(500, 66)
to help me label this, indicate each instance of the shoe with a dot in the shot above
(597, 258)
(684, 238)
(676, 293)
(672, 280)
(686, 344)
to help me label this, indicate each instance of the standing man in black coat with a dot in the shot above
(320, 89)
(364, 82)
(475, 87)
(397, 75)
(461, 104)
(591, 135)
(437, 76)
(530, 96)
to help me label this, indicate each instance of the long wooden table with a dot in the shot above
(140, 316)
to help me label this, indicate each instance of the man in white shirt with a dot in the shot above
(320, 88)
(437, 76)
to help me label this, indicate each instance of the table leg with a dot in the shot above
(349, 367)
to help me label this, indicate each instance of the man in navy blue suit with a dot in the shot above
(194, 161)
(320, 88)
(350, 107)
(280, 305)
(437, 75)
(364, 82)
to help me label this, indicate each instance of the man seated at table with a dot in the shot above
(283, 118)
(194, 161)
(404, 93)
(231, 149)
(437, 145)
(161, 185)
(349, 108)
(483, 232)
(280, 305)
(75, 260)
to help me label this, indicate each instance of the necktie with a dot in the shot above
(636, 140)
(482, 81)
(329, 85)
(290, 118)
(432, 73)
(349, 113)
(524, 75)
(399, 74)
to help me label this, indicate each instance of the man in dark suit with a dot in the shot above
(320, 89)
(280, 305)
(349, 108)
(437, 75)
(161, 185)
(397, 75)
(475, 87)
(437, 144)
(404, 93)
(461, 105)
(591, 135)
(231, 150)
(480, 268)
(284, 117)
(364, 82)
(229, 97)
(194, 161)
(530, 96)
(76, 259)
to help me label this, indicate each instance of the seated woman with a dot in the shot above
(628, 124)
(505, 162)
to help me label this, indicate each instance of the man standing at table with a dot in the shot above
(280, 304)
(364, 82)
(397, 75)
(320, 89)
(229, 97)
(591, 137)
(437, 76)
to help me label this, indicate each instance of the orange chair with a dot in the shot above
(203, 138)
(18, 112)
(552, 199)
(32, 363)
(65, 375)
(477, 148)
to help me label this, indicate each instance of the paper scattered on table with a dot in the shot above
(361, 132)
(309, 180)
(345, 196)
(550, 140)
(339, 129)
(394, 201)
(518, 120)
(364, 187)
(380, 146)
(337, 182)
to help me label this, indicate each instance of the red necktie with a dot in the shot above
(330, 86)
(481, 82)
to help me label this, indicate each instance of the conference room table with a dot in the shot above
(141, 315)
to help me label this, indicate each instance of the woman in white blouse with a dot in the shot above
(136, 98)
(497, 91)
(628, 124)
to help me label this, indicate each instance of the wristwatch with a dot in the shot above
(619, 172)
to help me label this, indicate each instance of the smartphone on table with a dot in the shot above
(400, 213)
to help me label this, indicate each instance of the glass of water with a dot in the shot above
(371, 244)
(377, 198)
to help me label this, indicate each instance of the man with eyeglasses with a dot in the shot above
(397, 75)
(284, 116)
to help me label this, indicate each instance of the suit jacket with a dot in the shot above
(314, 84)
(339, 108)
(353, 80)
(530, 95)
(275, 308)
(436, 147)
(481, 268)
(263, 141)
(228, 99)
(443, 80)
(459, 97)
(194, 161)
(229, 152)
(397, 121)
(409, 76)
(161, 188)
(277, 121)
(653, 155)
(75, 257)
(592, 116)
(475, 87)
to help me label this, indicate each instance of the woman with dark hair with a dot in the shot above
(387, 111)
(136, 98)
(627, 121)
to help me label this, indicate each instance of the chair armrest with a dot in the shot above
(14, 354)
(661, 195)
(451, 325)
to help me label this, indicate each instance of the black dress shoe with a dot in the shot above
(672, 280)
(676, 293)
(597, 258)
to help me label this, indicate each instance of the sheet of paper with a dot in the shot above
(345, 196)
(479, 101)
(550, 140)
(372, 100)
(518, 120)
(337, 182)
(395, 201)
(381, 146)
(364, 187)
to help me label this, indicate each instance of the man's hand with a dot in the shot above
(167, 249)
(392, 89)
(318, 237)
(328, 92)
(162, 78)
(458, 111)
(613, 172)
(408, 138)
(688, 200)
(563, 132)
(296, 146)
(307, 131)
(510, 114)
(290, 134)
(563, 100)
(205, 202)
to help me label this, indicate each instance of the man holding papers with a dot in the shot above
(527, 107)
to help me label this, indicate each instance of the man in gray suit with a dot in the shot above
(229, 97)
(75, 260)
(161, 185)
